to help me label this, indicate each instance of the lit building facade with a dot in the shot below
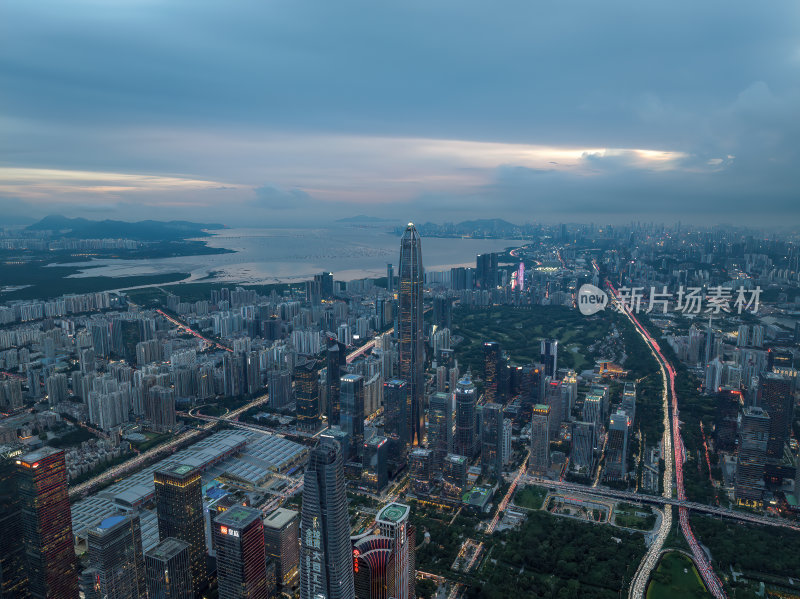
(410, 337)
(179, 505)
(241, 554)
(47, 525)
(326, 559)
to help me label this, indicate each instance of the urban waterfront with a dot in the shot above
(290, 255)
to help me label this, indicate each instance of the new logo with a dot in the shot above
(591, 299)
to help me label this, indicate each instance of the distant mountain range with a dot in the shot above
(145, 230)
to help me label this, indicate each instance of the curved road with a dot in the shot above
(711, 580)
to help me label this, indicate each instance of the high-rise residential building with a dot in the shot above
(47, 525)
(306, 390)
(464, 442)
(507, 434)
(375, 474)
(160, 408)
(390, 278)
(326, 559)
(492, 440)
(351, 417)
(617, 446)
(393, 522)
(397, 410)
(168, 570)
(282, 538)
(548, 355)
(754, 435)
(743, 338)
(238, 534)
(280, 388)
(776, 397)
(13, 573)
(539, 461)
(491, 370)
(411, 347)
(440, 428)
(179, 506)
(116, 563)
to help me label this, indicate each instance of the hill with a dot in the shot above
(145, 230)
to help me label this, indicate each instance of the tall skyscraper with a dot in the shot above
(540, 439)
(352, 414)
(754, 434)
(492, 440)
(554, 398)
(549, 357)
(116, 563)
(491, 370)
(13, 573)
(583, 442)
(333, 382)
(440, 428)
(47, 525)
(393, 522)
(326, 559)
(397, 410)
(486, 269)
(410, 338)
(179, 505)
(281, 535)
(617, 446)
(306, 390)
(241, 555)
(776, 397)
(466, 400)
(371, 559)
(168, 570)
(390, 278)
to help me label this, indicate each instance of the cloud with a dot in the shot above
(524, 108)
(276, 198)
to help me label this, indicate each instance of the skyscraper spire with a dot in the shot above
(411, 347)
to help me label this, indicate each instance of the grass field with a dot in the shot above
(519, 330)
(640, 517)
(530, 497)
(676, 576)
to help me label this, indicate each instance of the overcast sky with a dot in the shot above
(275, 112)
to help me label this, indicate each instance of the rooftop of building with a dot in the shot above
(237, 517)
(177, 469)
(111, 522)
(279, 518)
(39, 454)
(167, 548)
(394, 512)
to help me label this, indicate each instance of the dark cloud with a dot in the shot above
(192, 87)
